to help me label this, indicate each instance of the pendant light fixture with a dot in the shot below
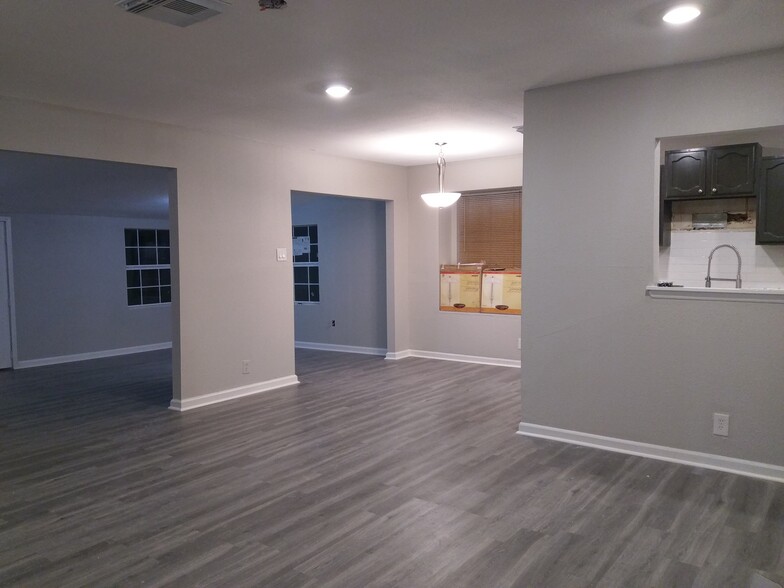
(440, 199)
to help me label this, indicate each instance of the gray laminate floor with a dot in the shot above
(370, 473)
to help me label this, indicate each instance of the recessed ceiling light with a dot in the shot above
(681, 14)
(338, 91)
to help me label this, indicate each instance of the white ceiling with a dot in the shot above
(422, 71)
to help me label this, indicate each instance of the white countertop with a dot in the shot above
(770, 295)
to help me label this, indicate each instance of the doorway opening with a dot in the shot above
(93, 254)
(339, 248)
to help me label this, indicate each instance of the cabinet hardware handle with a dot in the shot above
(713, 190)
(700, 190)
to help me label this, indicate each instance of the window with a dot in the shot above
(489, 227)
(486, 278)
(147, 266)
(306, 263)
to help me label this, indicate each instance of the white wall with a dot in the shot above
(70, 287)
(600, 357)
(352, 272)
(232, 209)
(493, 336)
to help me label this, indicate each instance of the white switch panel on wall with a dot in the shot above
(281, 254)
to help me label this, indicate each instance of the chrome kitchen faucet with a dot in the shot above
(708, 278)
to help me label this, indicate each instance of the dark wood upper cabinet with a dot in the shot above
(732, 170)
(685, 173)
(714, 172)
(770, 202)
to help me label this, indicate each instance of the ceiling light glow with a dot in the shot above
(681, 14)
(338, 91)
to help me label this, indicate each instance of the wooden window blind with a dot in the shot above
(489, 227)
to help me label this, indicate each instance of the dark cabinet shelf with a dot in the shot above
(770, 202)
(727, 171)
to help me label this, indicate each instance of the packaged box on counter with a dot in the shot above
(460, 289)
(501, 291)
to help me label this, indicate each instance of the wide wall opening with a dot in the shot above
(92, 250)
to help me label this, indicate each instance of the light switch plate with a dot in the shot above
(281, 254)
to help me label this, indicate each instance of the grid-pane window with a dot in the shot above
(489, 227)
(147, 266)
(305, 248)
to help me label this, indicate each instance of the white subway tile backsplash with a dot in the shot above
(686, 260)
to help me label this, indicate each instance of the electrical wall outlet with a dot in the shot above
(333, 323)
(245, 366)
(721, 424)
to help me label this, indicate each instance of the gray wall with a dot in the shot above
(69, 284)
(352, 256)
(599, 356)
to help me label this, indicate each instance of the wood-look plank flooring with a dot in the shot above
(370, 473)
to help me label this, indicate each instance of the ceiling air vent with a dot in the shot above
(182, 13)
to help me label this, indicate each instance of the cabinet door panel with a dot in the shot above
(685, 173)
(770, 204)
(732, 170)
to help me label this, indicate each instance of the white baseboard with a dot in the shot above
(341, 348)
(711, 461)
(29, 363)
(395, 355)
(515, 363)
(231, 394)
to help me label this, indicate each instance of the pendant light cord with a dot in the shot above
(441, 165)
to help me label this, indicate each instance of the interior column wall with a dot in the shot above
(600, 356)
